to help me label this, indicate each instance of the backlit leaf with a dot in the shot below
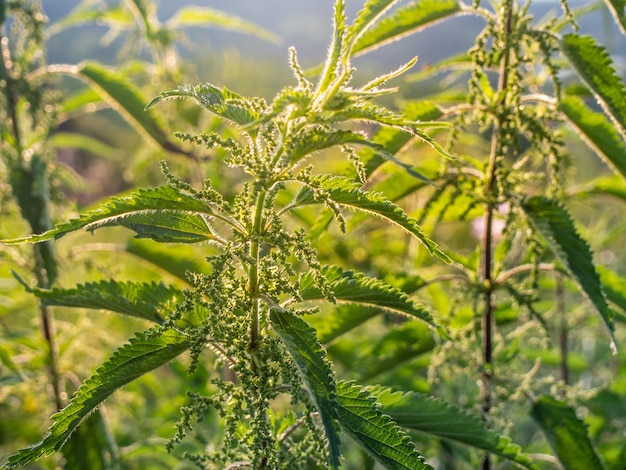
(141, 355)
(618, 9)
(567, 435)
(406, 20)
(351, 287)
(310, 358)
(434, 417)
(555, 224)
(597, 131)
(381, 438)
(594, 65)
(348, 193)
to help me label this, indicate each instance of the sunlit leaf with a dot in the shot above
(310, 358)
(86, 143)
(346, 192)
(141, 355)
(618, 9)
(597, 131)
(373, 430)
(594, 65)
(204, 16)
(555, 224)
(434, 417)
(341, 320)
(372, 10)
(406, 20)
(567, 435)
(351, 287)
(614, 286)
(90, 446)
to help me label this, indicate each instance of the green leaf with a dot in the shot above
(90, 446)
(351, 287)
(167, 226)
(148, 301)
(566, 434)
(203, 16)
(141, 355)
(595, 67)
(224, 103)
(125, 98)
(433, 416)
(341, 320)
(177, 262)
(406, 20)
(597, 131)
(370, 12)
(361, 417)
(554, 223)
(614, 286)
(86, 143)
(310, 358)
(121, 210)
(333, 61)
(606, 185)
(618, 9)
(348, 193)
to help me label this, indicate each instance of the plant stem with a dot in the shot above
(488, 240)
(563, 333)
(255, 313)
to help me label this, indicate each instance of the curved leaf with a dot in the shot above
(148, 301)
(595, 67)
(351, 287)
(91, 446)
(166, 226)
(433, 416)
(404, 21)
(567, 435)
(346, 192)
(618, 9)
(341, 320)
(86, 143)
(125, 98)
(597, 131)
(361, 417)
(606, 185)
(204, 16)
(141, 355)
(224, 103)
(554, 223)
(310, 358)
(372, 10)
(614, 286)
(120, 210)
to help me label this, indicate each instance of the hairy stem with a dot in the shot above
(488, 240)
(255, 314)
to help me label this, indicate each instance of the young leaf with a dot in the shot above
(404, 21)
(224, 103)
(351, 287)
(567, 435)
(371, 11)
(204, 16)
(618, 9)
(433, 416)
(120, 211)
(148, 301)
(361, 417)
(333, 59)
(595, 67)
(141, 355)
(125, 98)
(597, 131)
(554, 223)
(310, 358)
(346, 192)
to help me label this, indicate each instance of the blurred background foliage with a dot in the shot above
(93, 152)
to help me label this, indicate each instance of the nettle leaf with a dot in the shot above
(554, 223)
(433, 416)
(167, 226)
(610, 186)
(310, 358)
(224, 103)
(597, 131)
(348, 193)
(406, 20)
(319, 139)
(128, 209)
(342, 319)
(124, 97)
(203, 16)
(374, 431)
(148, 301)
(86, 143)
(614, 286)
(618, 9)
(567, 435)
(90, 446)
(595, 67)
(351, 287)
(370, 12)
(141, 355)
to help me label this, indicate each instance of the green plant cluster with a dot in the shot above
(300, 332)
